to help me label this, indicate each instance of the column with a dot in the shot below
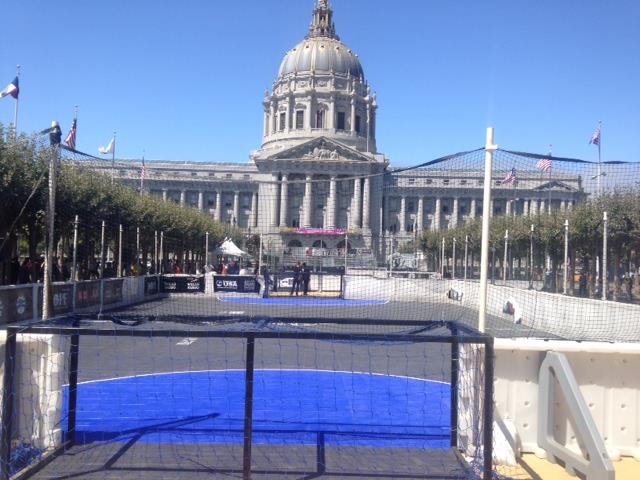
(436, 214)
(200, 200)
(287, 121)
(236, 208)
(353, 115)
(183, 196)
(284, 201)
(543, 207)
(473, 208)
(356, 212)
(491, 209)
(164, 194)
(254, 210)
(507, 208)
(274, 200)
(525, 208)
(533, 210)
(331, 121)
(272, 118)
(403, 214)
(332, 203)
(455, 213)
(563, 205)
(307, 203)
(420, 214)
(218, 205)
(366, 204)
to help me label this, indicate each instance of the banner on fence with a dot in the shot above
(150, 285)
(236, 284)
(16, 304)
(182, 283)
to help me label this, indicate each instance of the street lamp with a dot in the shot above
(531, 257)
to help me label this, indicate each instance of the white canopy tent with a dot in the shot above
(229, 248)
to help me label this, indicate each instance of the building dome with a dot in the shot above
(321, 55)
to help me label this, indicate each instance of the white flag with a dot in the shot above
(109, 148)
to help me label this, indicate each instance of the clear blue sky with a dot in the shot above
(185, 80)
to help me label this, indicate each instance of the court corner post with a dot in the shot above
(490, 148)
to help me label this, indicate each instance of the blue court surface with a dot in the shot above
(302, 301)
(290, 407)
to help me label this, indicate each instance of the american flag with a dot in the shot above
(595, 138)
(544, 164)
(71, 136)
(511, 178)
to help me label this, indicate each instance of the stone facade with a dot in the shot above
(318, 166)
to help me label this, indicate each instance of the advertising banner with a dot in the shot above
(182, 283)
(235, 284)
(113, 291)
(16, 304)
(88, 293)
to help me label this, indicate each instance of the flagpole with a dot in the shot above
(15, 113)
(549, 189)
(599, 159)
(142, 175)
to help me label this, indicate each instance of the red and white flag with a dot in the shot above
(71, 136)
(544, 164)
(595, 138)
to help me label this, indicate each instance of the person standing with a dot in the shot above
(306, 277)
(297, 277)
(267, 280)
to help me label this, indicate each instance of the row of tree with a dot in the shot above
(94, 198)
(586, 229)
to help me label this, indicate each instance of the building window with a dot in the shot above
(411, 207)
(194, 174)
(357, 124)
(463, 182)
(320, 119)
(412, 180)
(229, 175)
(429, 181)
(445, 181)
(299, 119)
(211, 174)
(247, 177)
(283, 119)
(341, 121)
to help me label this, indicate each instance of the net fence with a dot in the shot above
(163, 270)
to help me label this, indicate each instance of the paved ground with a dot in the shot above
(114, 357)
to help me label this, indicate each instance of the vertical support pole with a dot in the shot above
(605, 233)
(248, 408)
(8, 394)
(119, 252)
(139, 258)
(102, 251)
(74, 263)
(442, 258)
(155, 252)
(455, 373)
(488, 410)
(206, 249)
(565, 286)
(466, 255)
(453, 271)
(321, 456)
(74, 351)
(47, 290)
(161, 267)
(531, 256)
(490, 147)
(505, 257)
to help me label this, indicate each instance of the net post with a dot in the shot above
(486, 202)
(455, 371)
(488, 409)
(248, 408)
(74, 350)
(8, 394)
(605, 227)
(321, 460)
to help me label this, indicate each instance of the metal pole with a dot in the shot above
(346, 244)
(248, 408)
(531, 257)
(442, 258)
(138, 252)
(74, 263)
(161, 266)
(260, 257)
(453, 271)
(102, 251)
(466, 254)
(15, 113)
(119, 253)
(155, 251)
(566, 257)
(8, 397)
(455, 377)
(206, 249)
(505, 258)
(487, 406)
(605, 228)
(490, 147)
(47, 304)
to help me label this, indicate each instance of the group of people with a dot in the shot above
(301, 277)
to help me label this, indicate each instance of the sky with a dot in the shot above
(185, 80)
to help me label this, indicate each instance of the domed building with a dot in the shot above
(318, 175)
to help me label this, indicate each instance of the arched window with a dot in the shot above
(319, 244)
(320, 117)
(341, 244)
(294, 244)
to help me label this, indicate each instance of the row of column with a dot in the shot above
(253, 217)
(360, 209)
(530, 207)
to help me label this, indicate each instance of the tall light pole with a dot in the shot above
(55, 136)
(566, 256)
(505, 257)
(605, 228)
(531, 257)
